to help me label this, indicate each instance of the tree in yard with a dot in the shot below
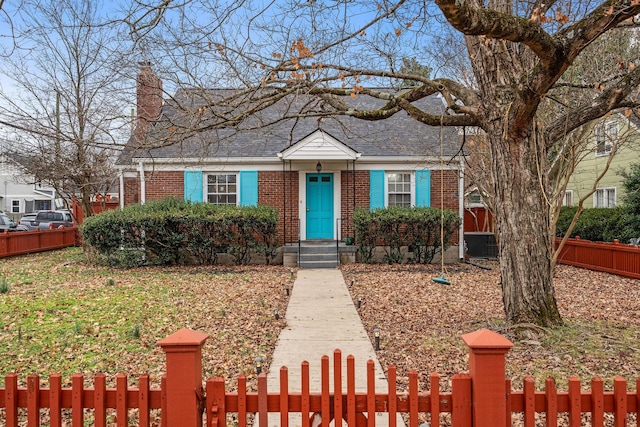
(518, 67)
(631, 200)
(66, 97)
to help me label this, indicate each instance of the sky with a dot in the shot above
(326, 23)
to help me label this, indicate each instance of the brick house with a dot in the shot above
(315, 171)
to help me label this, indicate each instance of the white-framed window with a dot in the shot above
(474, 198)
(568, 198)
(604, 198)
(606, 133)
(15, 206)
(399, 189)
(222, 188)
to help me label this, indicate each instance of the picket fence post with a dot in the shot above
(487, 351)
(184, 393)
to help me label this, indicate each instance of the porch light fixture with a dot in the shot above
(376, 336)
(319, 167)
(258, 362)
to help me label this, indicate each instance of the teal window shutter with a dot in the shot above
(376, 189)
(423, 188)
(193, 186)
(248, 188)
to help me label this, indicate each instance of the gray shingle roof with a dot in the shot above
(272, 129)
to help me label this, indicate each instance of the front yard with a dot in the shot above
(63, 315)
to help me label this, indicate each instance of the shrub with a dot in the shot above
(173, 231)
(392, 228)
(597, 224)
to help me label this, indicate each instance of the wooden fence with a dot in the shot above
(478, 219)
(24, 242)
(481, 398)
(614, 258)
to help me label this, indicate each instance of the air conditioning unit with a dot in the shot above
(481, 245)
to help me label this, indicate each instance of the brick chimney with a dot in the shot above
(149, 99)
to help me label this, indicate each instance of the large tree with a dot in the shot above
(518, 62)
(64, 94)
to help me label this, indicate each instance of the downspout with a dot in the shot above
(461, 208)
(143, 187)
(121, 179)
(284, 202)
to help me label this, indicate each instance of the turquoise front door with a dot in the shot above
(319, 206)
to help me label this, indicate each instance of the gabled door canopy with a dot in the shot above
(318, 145)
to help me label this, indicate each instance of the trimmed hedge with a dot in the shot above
(597, 224)
(173, 231)
(392, 228)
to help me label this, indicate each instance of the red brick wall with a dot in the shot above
(451, 200)
(450, 178)
(361, 195)
(164, 184)
(131, 191)
(274, 189)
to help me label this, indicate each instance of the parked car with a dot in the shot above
(45, 220)
(7, 223)
(27, 219)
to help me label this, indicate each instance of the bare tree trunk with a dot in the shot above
(521, 212)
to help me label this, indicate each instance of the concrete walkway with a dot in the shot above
(321, 317)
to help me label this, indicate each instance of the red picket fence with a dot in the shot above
(615, 258)
(352, 407)
(482, 398)
(24, 242)
(77, 398)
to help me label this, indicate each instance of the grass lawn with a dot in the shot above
(63, 315)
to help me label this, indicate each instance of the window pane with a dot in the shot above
(222, 189)
(399, 189)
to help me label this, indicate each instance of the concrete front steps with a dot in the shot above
(318, 254)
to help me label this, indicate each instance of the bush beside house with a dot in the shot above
(402, 230)
(178, 232)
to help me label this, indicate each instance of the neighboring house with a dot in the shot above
(314, 171)
(19, 194)
(616, 129)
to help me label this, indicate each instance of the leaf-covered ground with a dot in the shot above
(64, 315)
(421, 322)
